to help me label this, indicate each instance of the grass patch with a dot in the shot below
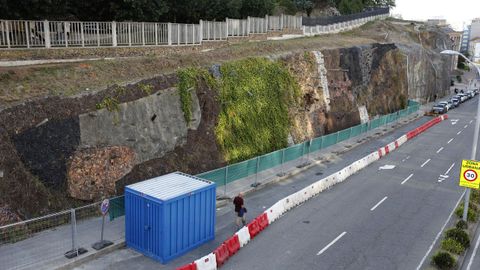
(461, 225)
(471, 215)
(255, 95)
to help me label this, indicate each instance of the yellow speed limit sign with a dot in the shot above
(469, 174)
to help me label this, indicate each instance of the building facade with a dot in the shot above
(465, 40)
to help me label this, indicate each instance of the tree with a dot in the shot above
(256, 8)
(304, 6)
(350, 6)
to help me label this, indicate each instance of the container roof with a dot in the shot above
(169, 186)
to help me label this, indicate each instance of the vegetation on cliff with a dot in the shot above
(255, 95)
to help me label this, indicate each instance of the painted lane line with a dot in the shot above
(425, 163)
(380, 202)
(439, 150)
(439, 233)
(406, 179)
(465, 126)
(449, 169)
(470, 121)
(460, 132)
(473, 254)
(450, 141)
(331, 243)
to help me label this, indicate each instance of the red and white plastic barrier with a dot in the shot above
(241, 238)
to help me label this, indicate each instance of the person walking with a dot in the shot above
(240, 210)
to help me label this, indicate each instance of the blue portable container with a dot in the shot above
(169, 215)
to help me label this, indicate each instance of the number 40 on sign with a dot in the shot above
(469, 174)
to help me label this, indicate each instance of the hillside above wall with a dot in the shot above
(78, 132)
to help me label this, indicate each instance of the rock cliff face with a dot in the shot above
(90, 153)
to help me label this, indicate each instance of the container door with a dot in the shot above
(148, 226)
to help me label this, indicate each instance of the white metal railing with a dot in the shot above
(48, 34)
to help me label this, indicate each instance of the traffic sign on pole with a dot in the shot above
(469, 174)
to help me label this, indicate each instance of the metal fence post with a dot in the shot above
(156, 33)
(143, 34)
(201, 31)
(225, 181)
(248, 25)
(7, 35)
(82, 35)
(226, 28)
(266, 23)
(193, 33)
(129, 34)
(186, 33)
(98, 34)
(283, 161)
(256, 184)
(281, 22)
(65, 33)
(336, 141)
(46, 29)
(169, 34)
(75, 251)
(27, 30)
(114, 34)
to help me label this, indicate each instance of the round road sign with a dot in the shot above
(470, 175)
(104, 206)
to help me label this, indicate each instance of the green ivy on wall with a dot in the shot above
(255, 95)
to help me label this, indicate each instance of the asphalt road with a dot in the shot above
(377, 219)
(396, 234)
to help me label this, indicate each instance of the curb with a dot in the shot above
(91, 256)
(221, 254)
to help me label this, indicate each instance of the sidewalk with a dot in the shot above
(45, 250)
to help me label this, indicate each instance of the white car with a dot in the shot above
(447, 104)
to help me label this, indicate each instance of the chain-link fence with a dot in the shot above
(54, 239)
(313, 21)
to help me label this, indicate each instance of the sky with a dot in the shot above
(455, 12)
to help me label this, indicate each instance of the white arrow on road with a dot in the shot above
(454, 121)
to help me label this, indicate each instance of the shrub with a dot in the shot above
(443, 260)
(461, 224)
(453, 246)
(475, 197)
(458, 235)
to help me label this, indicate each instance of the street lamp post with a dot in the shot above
(475, 135)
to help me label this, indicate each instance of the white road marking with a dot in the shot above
(406, 179)
(449, 169)
(439, 150)
(380, 202)
(465, 126)
(450, 141)
(473, 254)
(442, 178)
(387, 167)
(439, 233)
(460, 132)
(470, 121)
(331, 243)
(425, 163)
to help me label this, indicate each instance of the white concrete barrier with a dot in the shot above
(208, 262)
(243, 236)
(274, 212)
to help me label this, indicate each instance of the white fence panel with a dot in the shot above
(237, 28)
(257, 25)
(274, 23)
(214, 30)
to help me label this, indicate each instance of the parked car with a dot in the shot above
(462, 97)
(447, 105)
(439, 108)
(455, 101)
(471, 93)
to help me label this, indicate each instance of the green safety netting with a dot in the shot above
(249, 167)
(294, 152)
(344, 135)
(271, 160)
(117, 207)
